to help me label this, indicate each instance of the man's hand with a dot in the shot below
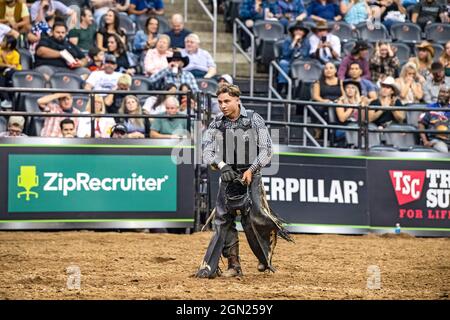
(247, 177)
(227, 174)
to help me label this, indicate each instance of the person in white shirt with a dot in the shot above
(201, 63)
(105, 79)
(324, 46)
(102, 125)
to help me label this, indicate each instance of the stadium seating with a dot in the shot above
(207, 85)
(66, 80)
(406, 32)
(401, 140)
(438, 32)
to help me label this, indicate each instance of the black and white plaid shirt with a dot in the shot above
(264, 142)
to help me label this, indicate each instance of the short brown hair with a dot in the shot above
(232, 90)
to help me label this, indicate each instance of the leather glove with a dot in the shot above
(228, 174)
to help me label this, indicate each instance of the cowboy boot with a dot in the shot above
(234, 268)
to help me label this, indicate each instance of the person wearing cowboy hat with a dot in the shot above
(324, 45)
(388, 98)
(435, 82)
(296, 46)
(424, 59)
(352, 95)
(359, 53)
(174, 73)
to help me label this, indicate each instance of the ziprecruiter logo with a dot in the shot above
(97, 183)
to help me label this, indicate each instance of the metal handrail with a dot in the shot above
(273, 90)
(250, 58)
(321, 120)
(212, 16)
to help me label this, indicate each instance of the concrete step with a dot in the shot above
(203, 25)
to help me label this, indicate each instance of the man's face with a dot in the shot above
(171, 108)
(177, 26)
(228, 104)
(68, 130)
(438, 76)
(443, 96)
(355, 71)
(119, 135)
(59, 33)
(190, 44)
(14, 130)
(179, 63)
(88, 18)
(109, 67)
(66, 102)
(364, 53)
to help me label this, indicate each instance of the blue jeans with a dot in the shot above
(285, 65)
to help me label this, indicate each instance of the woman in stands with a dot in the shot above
(324, 10)
(384, 63)
(445, 59)
(184, 87)
(117, 48)
(352, 95)
(409, 85)
(146, 39)
(110, 26)
(102, 126)
(156, 58)
(355, 11)
(423, 60)
(137, 127)
(155, 104)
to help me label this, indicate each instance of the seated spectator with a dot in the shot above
(64, 106)
(384, 63)
(429, 11)
(324, 10)
(111, 26)
(119, 131)
(15, 14)
(105, 79)
(169, 128)
(67, 127)
(84, 36)
(146, 39)
(352, 96)
(423, 60)
(409, 85)
(253, 10)
(136, 127)
(156, 59)
(388, 98)
(355, 11)
(51, 54)
(435, 82)
(102, 126)
(174, 73)
(177, 32)
(445, 59)
(114, 101)
(368, 89)
(391, 11)
(46, 11)
(437, 120)
(289, 11)
(101, 7)
(118, 50)
(324, 45)
(295, 47)
(140, 8)
(15, 127)
(122, 6)
(183, 99)
(155, 104)
(96, 59)
(359, 54)
(9, 64)
(201, 63)
(6, 30)
(329, 87)
(39, 29)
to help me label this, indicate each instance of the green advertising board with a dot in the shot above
(91, 183)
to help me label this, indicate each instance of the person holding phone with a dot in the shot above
(324, 46)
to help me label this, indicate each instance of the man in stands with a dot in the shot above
(169, 128)
(368, 89)
(178, 33)
(324, 45)
(15, 14)
(67, 127)
(105, 79)
(201, 63)
(435, 82)
(140, 8)
(429, 11)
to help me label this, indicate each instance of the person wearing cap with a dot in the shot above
(423, 60)
(429, 11)
(15, 127)
(119, 131)
(324, 10)
(175, 73)
(105, 79)
(388, 98)
(324, 45)
(384, 62)
(352, 96)
(156, 58)
(359, 54)
(114, 101)
(225, 78)
(296, 46)
(201, 63)
(435, 82)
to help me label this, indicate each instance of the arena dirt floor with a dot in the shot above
(131, 265)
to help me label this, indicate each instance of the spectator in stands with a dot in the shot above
(445, 59)
(110, 26)
(169, 128)
(96, 59)
(114, 101)
(327, 89)
(101, 7)
(435, 82)
(102, 126)
(6, 30)
(183, 99)
(136, 127)
(324, 45)
(423, 60)
(156, 59)
(253, 10)
(384, 63)
(56, 54)
(46, 10)
(174, 73)
(324, 10)
(119, 131)
(355, 11)
(289, 11)
(388, 98)
(15, 127)
(437, 120)
(140, 8)
(9, 64)
(352, 96)
(391, 11)
(201, 64)
(118, 49)
(67, 127)
(105, 79)
(177, 32)
(84, 35)
(368, 89)
(64, 106)
(429, 11)
(359, 54)
(296, 46)
(155, 104)
(15, 14)
(146, 39)
(409, 85)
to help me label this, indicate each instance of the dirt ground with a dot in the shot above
(132, 265)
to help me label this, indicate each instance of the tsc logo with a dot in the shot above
(27, 179)
(408, 185)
